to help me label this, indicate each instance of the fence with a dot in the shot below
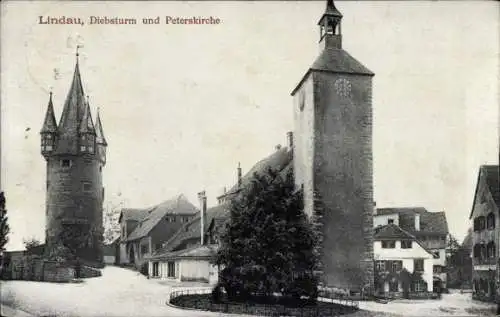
(197, 300)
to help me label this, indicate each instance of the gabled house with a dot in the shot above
(145, 230)
(187, 254)
(486, 233)
(430, 229)
(395, 250)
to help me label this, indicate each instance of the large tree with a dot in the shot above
(268, 244)
(4, 226)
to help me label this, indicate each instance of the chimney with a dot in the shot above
(203, 207)
(278, 147)
(417, 222)
(239, 175)
(225, 190)
(289, 137)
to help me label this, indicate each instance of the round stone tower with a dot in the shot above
(75, 152)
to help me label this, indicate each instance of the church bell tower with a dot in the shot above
(333, 157)
(75, 153)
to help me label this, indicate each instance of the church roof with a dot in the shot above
(49, 124)
(335, 61)
(73, 111)
(100, 139)
(277, 161)
(178, 205)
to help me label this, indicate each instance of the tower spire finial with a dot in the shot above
(77, 52)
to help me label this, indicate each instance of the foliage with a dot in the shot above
(459, 264)
(31, 243)
(267, 246)
(407, 279)
(110, 222)
(4, 226)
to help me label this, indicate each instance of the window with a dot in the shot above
(171, 269)
(83, 148)
(65, 163)
(435, 254)
(479, 223)
(155, 269)
(87, 187)
(124, 232)
(490, 221)
(437, 269)
(380, 266)
(390, 221)
(490, 250)
(406, 244)
(144, 249)
(420, 286)
(49, 136)
(386, 244)
(418, 265)
(397, 266)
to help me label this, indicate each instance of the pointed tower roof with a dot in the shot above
(100, 139)
(49, 124)
(87, 125)
(331, 9)
(72, 114)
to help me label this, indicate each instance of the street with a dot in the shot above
(123, 292)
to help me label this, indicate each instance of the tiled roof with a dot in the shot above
(336, 61)
(49, 124)
(431, 223)
(192, 229)
(394, 232)
(491, 175)
(278, 161)
(100, 139)
(74, 108)
(178, 205)
(198, 252)
(133, 214)
(87, 124)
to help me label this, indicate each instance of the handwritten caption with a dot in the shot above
(105, 20)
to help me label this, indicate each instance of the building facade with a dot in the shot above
(396, 250)
(145, 230)
(485, 234)
(75, 152)
(430, 230)
(332, 107)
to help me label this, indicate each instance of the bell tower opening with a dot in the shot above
(330, 27)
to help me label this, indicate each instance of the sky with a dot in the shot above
(181, 105)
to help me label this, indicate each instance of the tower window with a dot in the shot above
(87, 187)
(66, 163)
(83, 148)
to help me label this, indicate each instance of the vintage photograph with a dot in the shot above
(241, 158)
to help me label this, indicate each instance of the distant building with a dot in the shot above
(145, 230)
(110, 252)
(486, 233)
(395, 249)
(187, 254)
(430, 229)
(75, 152)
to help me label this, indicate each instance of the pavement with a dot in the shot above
(121, 292)
(7, 311)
